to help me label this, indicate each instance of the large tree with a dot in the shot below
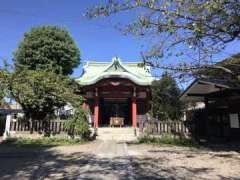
(47, 47)
(165, 99)
(40, 92)
(40, 82)
(185, 29)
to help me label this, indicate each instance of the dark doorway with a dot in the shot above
(2, 124)
(115, 108)
(218, 124)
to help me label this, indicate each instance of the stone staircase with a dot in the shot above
(116, 133)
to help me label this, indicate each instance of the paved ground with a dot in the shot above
(118, 160)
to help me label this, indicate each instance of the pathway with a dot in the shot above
(113, 162)
(111, 149)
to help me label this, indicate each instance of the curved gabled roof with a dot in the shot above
(200, 88)
(96, 71)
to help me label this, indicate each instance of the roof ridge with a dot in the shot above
(123, 62)
(98, 62)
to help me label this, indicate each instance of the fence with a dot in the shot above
(55, 127)
(155, 127)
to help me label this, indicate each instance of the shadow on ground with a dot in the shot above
(45, 162)
(216, 147)
(233, 146)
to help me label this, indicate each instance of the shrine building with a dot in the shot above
(116, 89)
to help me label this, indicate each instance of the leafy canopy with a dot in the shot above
(47, 47)
(165, 99)
(180, 28)
(41, 92)
(4, 85)
(40, 81)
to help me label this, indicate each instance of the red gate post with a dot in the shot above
(134, 112)
(96, 109)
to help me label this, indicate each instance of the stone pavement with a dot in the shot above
(111, 149)
(115, 162)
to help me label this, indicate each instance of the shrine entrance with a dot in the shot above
(116, 93)
(116, 102)
(115, 108)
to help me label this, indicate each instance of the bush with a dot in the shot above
(169, 140)
(77, 124)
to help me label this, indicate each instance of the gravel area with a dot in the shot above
(118, 160)
(188, 163)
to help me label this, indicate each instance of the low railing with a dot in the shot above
(156, 127)
(153, 127)
(55, 127)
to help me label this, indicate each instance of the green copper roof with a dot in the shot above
(95, 71)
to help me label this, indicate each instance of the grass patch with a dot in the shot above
(41, 142)
(168, 140)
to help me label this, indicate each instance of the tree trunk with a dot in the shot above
(46, 127)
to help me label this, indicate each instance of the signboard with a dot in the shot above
(90, 94)
(142, 95)
(234, 121)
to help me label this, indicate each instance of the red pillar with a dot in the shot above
(96, 112)
(134, 112)
(96, 108)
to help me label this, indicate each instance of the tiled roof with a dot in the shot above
(95, 71)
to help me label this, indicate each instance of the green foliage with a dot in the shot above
(3, 86)
(77, 124)
(168, 139)
(47, 47)
(40, 83)
(41, 142)
(194, 29)
(165, 99)
(41, 92)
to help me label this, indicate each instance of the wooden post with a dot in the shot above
(206, 117)
(7, 127)
(96, 109)
(134, 112)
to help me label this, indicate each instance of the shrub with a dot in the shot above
(169, 140)
(77, 124)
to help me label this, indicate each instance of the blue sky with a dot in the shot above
(97, 39)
